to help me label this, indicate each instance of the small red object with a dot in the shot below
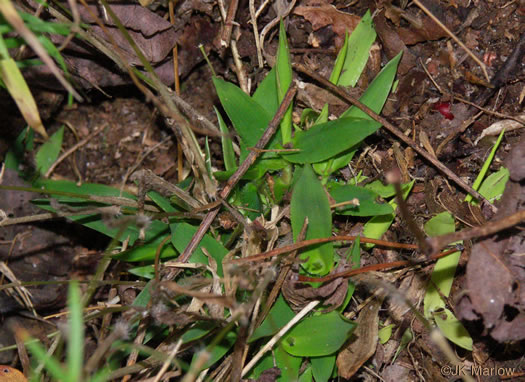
(444, 109)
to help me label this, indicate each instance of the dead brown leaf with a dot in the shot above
(363, 342)
(496, 269)
(299, 295)
(323, 15)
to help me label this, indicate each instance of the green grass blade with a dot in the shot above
(358, 50)
(377, 93)
(48, 152)
(368, 206)
(284, 80)
(249, 119)
(493, 186)
(266, 94)
(228, 154)
(75, 347)
(486, 166)
(378, 225)
(51, 364)
(19, 90)
(339, 61)
(328, 139)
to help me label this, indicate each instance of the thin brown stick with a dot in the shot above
(372, 268)
(72, 150)
(491, 112)
(391, 128)
(454, 37)
(306, 243)
(285, 269)
(54, 215)
(228, 23)
(436, 243)
(250, 159)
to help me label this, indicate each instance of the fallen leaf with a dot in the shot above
(497, 127)
(8, 374)
(326, 14)
(363, 342)
(496, 269)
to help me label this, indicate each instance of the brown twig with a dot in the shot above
(391, 128)
(436, 243)
(250, 159)
(306, 243)
(411, 224)
(488, 111)
(453, 36)
(285, 269)
(373, 267)
(228, 23)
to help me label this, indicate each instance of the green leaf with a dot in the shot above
(154, 230)
(318, 335)
(485, 167)
(51, 364)
(228, 154)
(339, 61)
(328, 139)
(493, 186)
(279, 315)
(84, 189)
(199, 330)
(406, 338)
(162, 202)
(443, 277)
(445, 268)
(385, 333)
(75, 346)
(249, 201)
(340, 160)
(257, 171)
(15, 155)
(181, 236)
(453, 329)
(322, 367)
(265, 363)
(377, 93)
(309, 200)
(145, 271)
(383, 190)
(19, 90)
(288, 364)
(284, 79)
(355, 257)
(307, 375)
(368, 206)
(248, 117)
(38, 25)
(48, 152)
(218, 351)
(207, 156)
(144, 297)
(146, 252)
(358, 50)
(440, 224)
(374, 97)
(53, 52)
(378, 225)
(266, 94)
